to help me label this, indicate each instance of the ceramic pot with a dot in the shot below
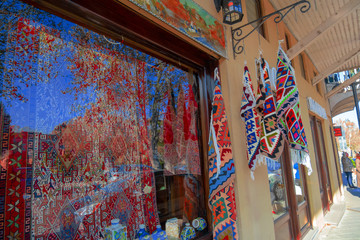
(188, 232)
(199, 224)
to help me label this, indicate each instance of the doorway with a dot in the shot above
(321, 163)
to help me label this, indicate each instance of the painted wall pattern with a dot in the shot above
(189, 18)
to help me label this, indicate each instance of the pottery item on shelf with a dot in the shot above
(142, 232)
(172, 228)
(159, 234)
(199, 224)
(188, 232)
(115, 231)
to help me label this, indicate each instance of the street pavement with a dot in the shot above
(349, 225)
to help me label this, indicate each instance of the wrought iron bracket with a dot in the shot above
(237, 33)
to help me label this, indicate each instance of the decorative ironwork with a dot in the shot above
(237, 33)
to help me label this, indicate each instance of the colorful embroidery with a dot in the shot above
(191, 134)
(289, 108)
(221, 170)
(286, 91)
(252, 120)
(169, 136)
(271, 141)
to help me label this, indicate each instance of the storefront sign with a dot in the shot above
(338, 131)
(316, 108)
(189, 18)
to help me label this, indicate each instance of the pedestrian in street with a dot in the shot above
(347, 168)
(357, 161)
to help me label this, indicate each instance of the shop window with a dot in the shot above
(254, 11)
(298, 182)
(92, 130)
(302, 66)
(278, 192)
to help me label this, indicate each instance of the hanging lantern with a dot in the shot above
(232, 11)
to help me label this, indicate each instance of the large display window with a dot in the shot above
(93, 130)
(288, 194)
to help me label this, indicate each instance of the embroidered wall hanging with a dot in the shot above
(289, 107)
(271, 141)
(221, 170)
(169, 136)
(252, 120)
(287, 93)
(290, 122)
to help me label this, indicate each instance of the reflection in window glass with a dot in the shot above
(298, 182)
(91, 131)
(277, 187)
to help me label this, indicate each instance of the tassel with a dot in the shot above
(252, 175)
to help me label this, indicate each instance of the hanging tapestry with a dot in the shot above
(191, 133)
(221, 170)
(15, 180)
(260, 93)
(169, 136)
(181, 152)
(180, 164)
(287, 93)
(288, 104)
(252, 120)
(191, 203)
(271, 141)
(293, 129)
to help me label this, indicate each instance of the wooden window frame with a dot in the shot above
(293, 207)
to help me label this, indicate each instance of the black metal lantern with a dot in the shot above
(232, 10)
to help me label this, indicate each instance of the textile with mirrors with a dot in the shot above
(252, 120)
(271, 140)
(221, 170)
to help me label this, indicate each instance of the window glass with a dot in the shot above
(298, 182)
(92, 131)
(278, 193)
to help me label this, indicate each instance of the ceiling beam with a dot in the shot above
(333, 67)
(343, 85)
(302, 44)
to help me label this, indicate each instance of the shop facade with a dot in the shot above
(107, 110)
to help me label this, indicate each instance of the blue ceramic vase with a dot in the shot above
(188, 232)
(199, 224)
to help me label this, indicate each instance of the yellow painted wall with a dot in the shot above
(253, 197)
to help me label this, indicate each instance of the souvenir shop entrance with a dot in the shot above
(321, 162)
(114, 122)
(289, 198)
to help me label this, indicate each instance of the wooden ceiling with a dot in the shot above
(329, 33)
